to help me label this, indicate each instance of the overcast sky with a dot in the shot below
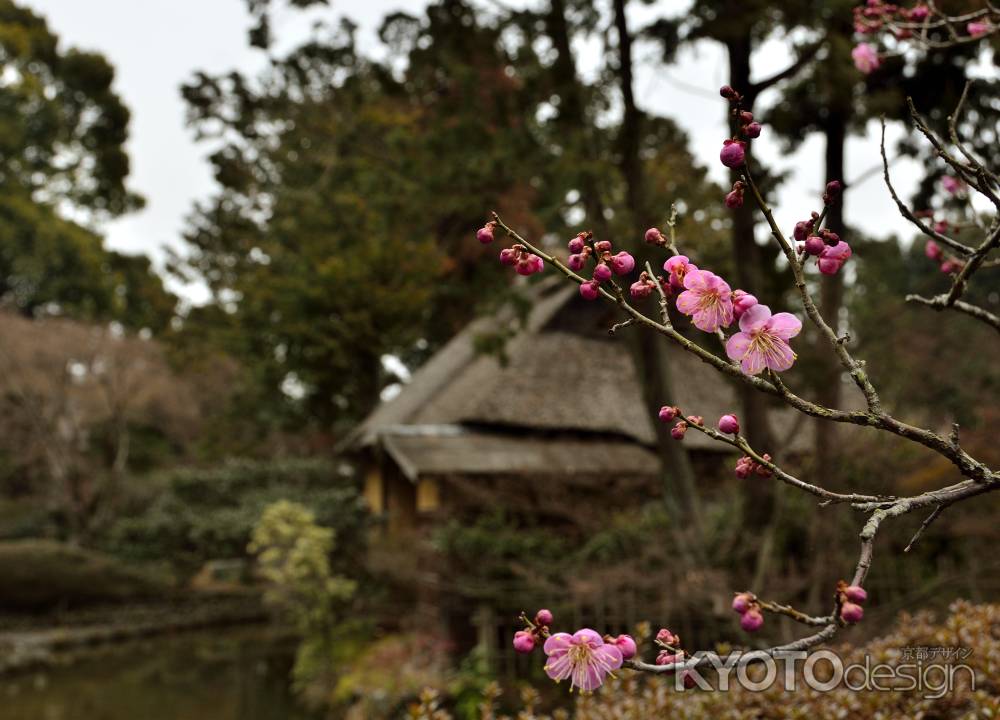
(156, 45)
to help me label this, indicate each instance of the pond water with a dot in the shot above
(226, 674)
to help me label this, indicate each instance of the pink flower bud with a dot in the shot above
(814, 245)
(668, 658)
(727, 92)
(508, 256)
(602, 246)
(602, 272)
(667, 413)
(941, 226)
(622, 263)
(742, 301)
(977, 29)
(752, 130)
(746, 117)
(933, 250)
(751, 620)
(626, 644)
(741, 603)
(763, 470)
(734, 199)
(543, 617)
(919, 13)
(851, 613)
(485, 234)
(829, 267)
(732, 154)
(576, 245)
(665, 637)
(539, 263)
(529, 264)
(696, 420)
(641, 289)
(729, 424)
(575, 262)
(855, 593)
(745, 467)
(833, 190)
(524, 642)
(802, 229)
(678, 430)
(687, 677)
(654, 236)
(589, 290)
(950, 266)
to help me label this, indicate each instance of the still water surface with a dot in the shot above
(227, 674)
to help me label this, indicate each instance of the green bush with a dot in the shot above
(42, 574)
(209, 513)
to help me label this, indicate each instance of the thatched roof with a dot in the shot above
(562, 376)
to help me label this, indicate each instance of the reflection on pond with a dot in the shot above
(225, 674)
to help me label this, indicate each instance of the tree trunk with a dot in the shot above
(649, 349)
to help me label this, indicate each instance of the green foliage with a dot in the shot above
(41, 575)
(62, 154)
(292, 556)
(201, 514)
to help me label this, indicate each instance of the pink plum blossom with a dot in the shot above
(575, 262)
(576, 245)
(665, 637)
(529, 264)
(763, 340)
(543, 617)
(584, 658)
(678, 266)
(814, 245)
(833, 257)
(933, 250)
(602, 272)
(865, 58)
(508, 256)
(707, 299)
(919, 13)
(677, 431)
(654, 236)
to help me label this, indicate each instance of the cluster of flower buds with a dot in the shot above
(671, 653)
(606, 264)
(850, 598)
(747, 466)
(523, 261)
(948, 265)
(643, 287)
(734, 199)
(830, 251)
(534, 633)
(746, 605)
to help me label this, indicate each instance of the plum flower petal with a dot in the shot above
(763, 340)
(583, 658)
(865, 58)
(707, 299)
